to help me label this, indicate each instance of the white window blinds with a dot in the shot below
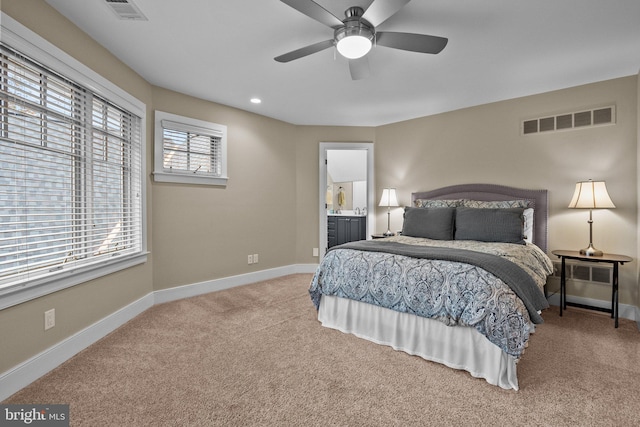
(70, 174)
(189, 150)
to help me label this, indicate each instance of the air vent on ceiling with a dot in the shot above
(126, 9)
(575, 120)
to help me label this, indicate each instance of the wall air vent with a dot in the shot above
(567, 121)
(584, 272)
(126, 10)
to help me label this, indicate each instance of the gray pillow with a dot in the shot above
(490, 225)
(432, 223)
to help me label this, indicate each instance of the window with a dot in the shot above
(71, 189)
(189, 151)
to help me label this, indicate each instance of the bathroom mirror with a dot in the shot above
(346, 191)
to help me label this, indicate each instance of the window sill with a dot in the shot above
(19, 294)
(189, 179)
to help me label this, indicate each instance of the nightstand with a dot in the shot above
(606, 258)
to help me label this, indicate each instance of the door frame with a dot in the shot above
(322, 210)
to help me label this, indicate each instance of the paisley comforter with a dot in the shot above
(454, 293)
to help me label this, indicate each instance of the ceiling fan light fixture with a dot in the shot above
(354, 47)
(355, 35)
(354, 40)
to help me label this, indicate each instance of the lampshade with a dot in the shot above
(354, 47)
(591, 195)
(389, 197)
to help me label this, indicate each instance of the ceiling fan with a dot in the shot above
(356, 34)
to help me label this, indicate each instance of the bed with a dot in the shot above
(463, 285)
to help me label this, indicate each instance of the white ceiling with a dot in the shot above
(223, 50)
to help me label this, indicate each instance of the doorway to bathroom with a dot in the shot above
(346, 193)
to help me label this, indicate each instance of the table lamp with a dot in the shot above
(389, 200)
(591, 195)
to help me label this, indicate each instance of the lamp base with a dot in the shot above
(388, 232)
(591, 251)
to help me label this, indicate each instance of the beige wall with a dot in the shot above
(484, 144)
(202, 232)
(270, 205)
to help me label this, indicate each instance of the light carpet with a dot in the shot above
(256, 355)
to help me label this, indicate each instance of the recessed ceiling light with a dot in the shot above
(256, 100)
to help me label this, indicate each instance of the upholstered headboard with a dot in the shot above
(490, 192)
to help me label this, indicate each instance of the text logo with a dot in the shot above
(34, 415)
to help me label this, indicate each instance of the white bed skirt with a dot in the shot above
(458, 347)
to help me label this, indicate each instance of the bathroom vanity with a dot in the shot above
(345, 228)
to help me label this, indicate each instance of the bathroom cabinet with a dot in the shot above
(343, 229)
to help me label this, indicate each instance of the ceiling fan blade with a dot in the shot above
(359, 68)
(315, 11)
(304, 51)
(381, 10)
(413, 42)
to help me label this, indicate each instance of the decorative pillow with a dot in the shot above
(495, 204)
(490, 225)
(432, 223)
(434, 203)
(528, 225)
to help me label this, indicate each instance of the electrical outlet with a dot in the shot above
(250, 259)
(315, 252)
(49, 319)
(255, 258)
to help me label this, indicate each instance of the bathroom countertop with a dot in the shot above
(345, 214)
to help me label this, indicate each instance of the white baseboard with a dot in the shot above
(30, 370)
(625, 311)
(186, 291)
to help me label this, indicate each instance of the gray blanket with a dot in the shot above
(514, 276)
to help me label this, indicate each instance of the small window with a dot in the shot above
(189, 151)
